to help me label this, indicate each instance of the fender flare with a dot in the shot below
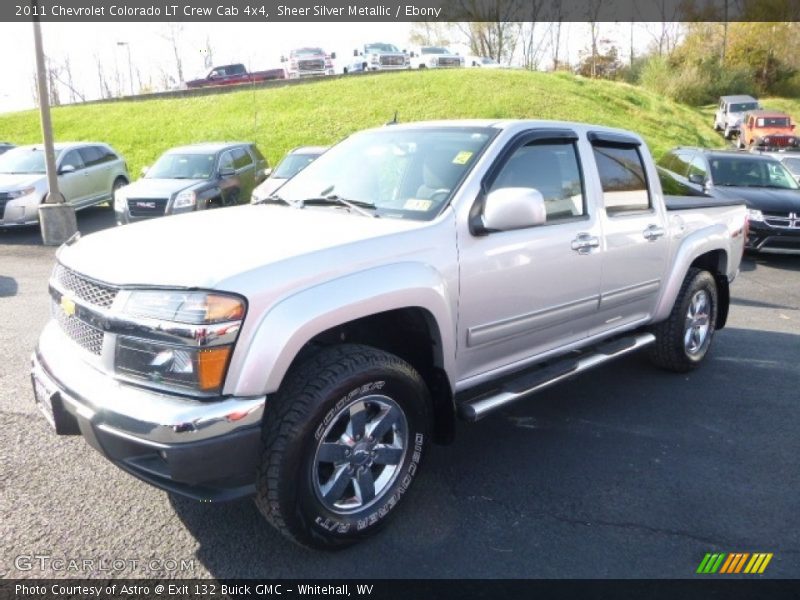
(708, 239)
(292, 322)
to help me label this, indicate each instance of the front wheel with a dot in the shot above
(683, 340)
(343, 441)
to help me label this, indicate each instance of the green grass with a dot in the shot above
(324, 111)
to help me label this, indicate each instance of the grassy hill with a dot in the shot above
(324, 111)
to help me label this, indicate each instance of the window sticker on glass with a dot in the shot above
(462, 158)
(417, 204)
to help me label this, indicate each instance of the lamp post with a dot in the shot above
(56, 219)
(130, 67)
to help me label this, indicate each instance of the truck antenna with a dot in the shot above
(394, 120)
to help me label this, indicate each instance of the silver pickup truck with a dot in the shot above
(411, 275)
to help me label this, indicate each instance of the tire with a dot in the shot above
(118, 183)
(319, 459)
(684, 338)
(717, 126)
(727, 134)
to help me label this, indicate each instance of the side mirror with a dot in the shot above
(144, 171)
(66, 169)
(227, 172)
(697, 178)
(513, 208)
(333, 55)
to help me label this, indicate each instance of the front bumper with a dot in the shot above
(776, 240)
(206, 450)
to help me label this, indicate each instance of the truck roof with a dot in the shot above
(739, 98)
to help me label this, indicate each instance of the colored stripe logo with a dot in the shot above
(735, 562)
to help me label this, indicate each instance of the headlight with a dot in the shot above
(20, 193)
(193, 334)
(755, 215)
(185, 199)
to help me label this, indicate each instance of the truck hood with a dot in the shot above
(158, 188)
(768, 199)
(204, 248)
(10, 182)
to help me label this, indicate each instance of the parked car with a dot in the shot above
(767, 128)
(789, 159)
(5, 147)
(190, 178)
(88, 174)
(483, 62)
(310, 352)
(234, 75)
(378, 56)
(308, 62)
(295, 161)
(730, 113)
(432, 57)
(770, 192)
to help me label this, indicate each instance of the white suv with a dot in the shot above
(88, 173)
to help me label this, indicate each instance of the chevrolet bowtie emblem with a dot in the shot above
(68, 305)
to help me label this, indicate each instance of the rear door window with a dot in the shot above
(622, 176)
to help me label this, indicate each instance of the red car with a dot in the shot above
(767, 128)
(234, 75)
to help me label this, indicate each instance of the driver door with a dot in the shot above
(527, 291)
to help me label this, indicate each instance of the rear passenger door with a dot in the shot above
(526, 291)
(245, 171)
(634, 228)
(97, 172)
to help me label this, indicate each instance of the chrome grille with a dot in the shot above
(782, 220)
(448, 62)
(394, 61)
(311, 65)
(87, 337)
(85, 289)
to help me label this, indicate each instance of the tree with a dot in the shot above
(172, 34)
(490, 27)
(600, 61)
(426, 33)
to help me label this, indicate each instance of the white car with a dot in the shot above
(432, 57)
(295, 161)
(88, 173)
(483, 62)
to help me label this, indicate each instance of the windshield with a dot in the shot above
(434, 50)
(182, 166)
(308, 52)
(744, 106)
(293, 164)
(405, 173)
(751, 173)
(381, 48)
(773, 122)
(24, 161)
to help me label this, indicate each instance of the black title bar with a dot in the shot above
(392, 10)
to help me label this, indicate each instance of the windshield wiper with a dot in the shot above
(356, 205)
(275, 199)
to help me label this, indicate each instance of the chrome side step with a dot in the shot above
(528, 383)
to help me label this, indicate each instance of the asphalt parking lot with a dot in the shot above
(624, 472)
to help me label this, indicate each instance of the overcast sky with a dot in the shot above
(258, 45)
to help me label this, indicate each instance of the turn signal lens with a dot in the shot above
(223, 308)
(211, 366)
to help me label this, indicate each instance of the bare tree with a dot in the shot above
(52, 76)
(490, 27)
(555, 35)
(426, 33)
(593, 13)
(208, 55)
(531, 49)
(173, 34)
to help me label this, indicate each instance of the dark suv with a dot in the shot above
(771, 193)
(189, 178)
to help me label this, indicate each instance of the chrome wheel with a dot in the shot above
(360, 453)
(698, 323)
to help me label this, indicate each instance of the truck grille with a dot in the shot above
(316, 64)
(87, 337)
(147, 207)
(783, 220)
(447, 61)
(95, 294)
(393, 61)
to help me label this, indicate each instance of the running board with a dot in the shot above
(528, 383)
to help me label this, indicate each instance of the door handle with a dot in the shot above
(653, 232)
(584, 243)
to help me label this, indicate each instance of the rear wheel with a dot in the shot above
(683, 340)
(343, 440)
